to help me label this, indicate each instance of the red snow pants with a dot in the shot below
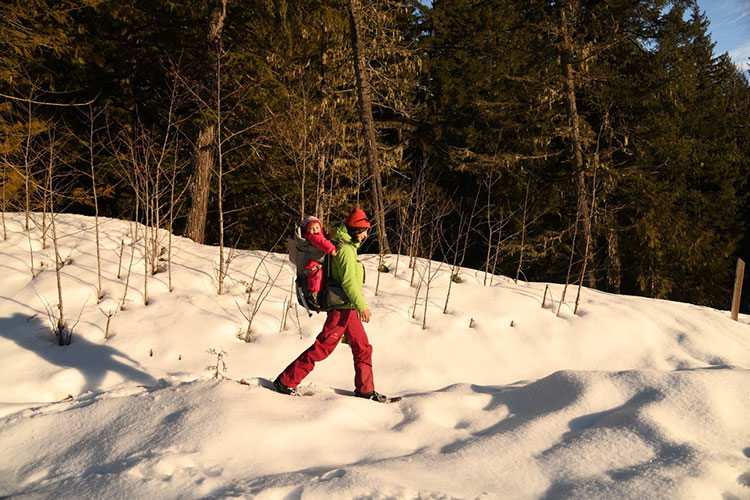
(338, 322)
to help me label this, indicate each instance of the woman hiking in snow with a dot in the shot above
(343, 321)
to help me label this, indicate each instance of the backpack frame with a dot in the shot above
(331, 294)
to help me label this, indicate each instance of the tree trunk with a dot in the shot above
(200, 184)
(204, 155)
(614, 266)
(368, 124)
(576, 143)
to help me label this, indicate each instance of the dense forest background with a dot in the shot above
(566, 140)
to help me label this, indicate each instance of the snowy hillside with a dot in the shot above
(630, 399)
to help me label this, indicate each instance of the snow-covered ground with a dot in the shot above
(631, 398)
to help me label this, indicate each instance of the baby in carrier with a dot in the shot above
(312, 231)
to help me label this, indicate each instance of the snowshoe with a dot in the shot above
(375, 396)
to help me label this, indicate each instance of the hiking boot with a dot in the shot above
(283, 389)
(372, 395)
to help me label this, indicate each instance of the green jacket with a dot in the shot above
(347, 270)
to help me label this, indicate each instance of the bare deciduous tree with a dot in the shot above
(465, 227)
(130, 268)
(435, 238)
(92, 142)
(525, 213)
(61, 330)
(247, 333)
(4, 207)
(590, 214)
(570, 264)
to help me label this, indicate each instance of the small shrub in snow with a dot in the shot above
(220, 367)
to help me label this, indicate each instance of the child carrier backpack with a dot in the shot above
(301, 252)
